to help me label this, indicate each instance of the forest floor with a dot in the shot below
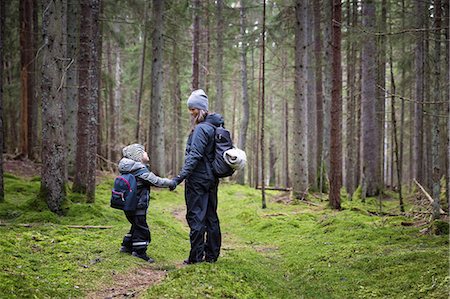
(289, 250)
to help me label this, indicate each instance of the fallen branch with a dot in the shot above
(427, 195)
(274, 188)
(11, 224)
(90, 226)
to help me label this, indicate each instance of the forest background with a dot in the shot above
(349, 94)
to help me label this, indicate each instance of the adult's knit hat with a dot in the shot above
(134, 152)
(198, 100)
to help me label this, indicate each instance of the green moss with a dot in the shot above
(284, 251)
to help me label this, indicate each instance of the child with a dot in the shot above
(133, 161)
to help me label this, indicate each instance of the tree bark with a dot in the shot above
(53, 182)
(157, 145)
(369, 127)
(327, 84)
(436, 165)
(195, 44)
(318, 86)
(336, 110)
(245, 104)
(26, 75)
(380, 96)
(219, 58)
(2, 132)
(300, 148)
(71, 104)
(394, 129)
(419, 93)
(311, 98)
(88, 76)
(448, 111)
(263, 94)
(114, 106)
(141, 76)
(350, 144)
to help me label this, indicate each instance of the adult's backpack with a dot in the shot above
(124, 192)
(222, 143)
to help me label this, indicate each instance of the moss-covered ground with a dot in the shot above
(284, 251)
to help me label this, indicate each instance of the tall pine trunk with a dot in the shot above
(300, 148)
(53, 181)
(141, 76)
(219, 58)
(2, 134)
(88, 76)
(242, 144)
(318, 86)
(114, 107)
(310, 87)
(382, 173)
(157, 144)
(26, 76)
(419, 93)
(263, 82)
(195, 44)
(436, 165)
(369, 131)
(71, 104)
(336, 109)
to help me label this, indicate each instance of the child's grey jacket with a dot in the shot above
(144, 179)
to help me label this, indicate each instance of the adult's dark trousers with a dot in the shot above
(138, 237)
(201, 203)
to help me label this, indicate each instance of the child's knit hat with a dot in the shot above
(198, 100)
(134, 152)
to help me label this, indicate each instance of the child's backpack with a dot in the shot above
(124, 192)
(222, 143)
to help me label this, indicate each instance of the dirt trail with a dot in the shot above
(131, 284)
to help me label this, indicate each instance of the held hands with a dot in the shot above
(174, 183)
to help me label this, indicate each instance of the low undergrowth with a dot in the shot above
(285, 251)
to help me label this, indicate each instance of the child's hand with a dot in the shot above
(173, 185)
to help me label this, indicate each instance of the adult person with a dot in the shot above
(201, 184)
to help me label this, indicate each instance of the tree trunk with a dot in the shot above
(88, 76)
(263, 73)
(300, 148)
(327, 83)
(177, 155)
(245, 104)
(419, 96)
(394, 132)
(380, 95)
(285, 137)
(318, 86)
(436, 165)
(157, 145)
(219, 62)
(369, 125)
(273, 157)
(26, 75)
(141, 76)
(71, 103)
(114, 107)
(53, 182)
(350, 144)
(311, 89)
(111, 119)
(448, 111)
(35, 107)
(336, 110)
(195, 44)
(2, 132)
